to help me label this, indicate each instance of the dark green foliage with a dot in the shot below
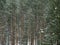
(2, 4)
(53, 19)
(35, 14)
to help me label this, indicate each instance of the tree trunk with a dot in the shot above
(13, 28)
(32, 41)
(22, 25)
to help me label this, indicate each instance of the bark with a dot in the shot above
(16, 38)
(22, 25)
(32, 41)
(13, 28)
(3, 40)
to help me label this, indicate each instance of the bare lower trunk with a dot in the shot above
(13, 41)
(13, 28)
(32, 41)
(3, 40)
(16, 40)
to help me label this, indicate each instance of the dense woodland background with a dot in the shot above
(29, 22)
